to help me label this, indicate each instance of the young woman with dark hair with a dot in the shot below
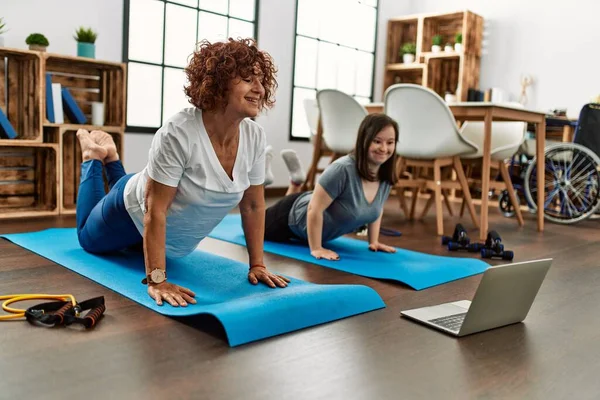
(349, 194)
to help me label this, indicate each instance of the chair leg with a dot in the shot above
(402, 202)
(446, 194)
(413, 203)
(465, 188)
(511, 192)
(428, 205)
(468, 173)
(437, 177)
(462, 207)
(401, 165)
(309, 183)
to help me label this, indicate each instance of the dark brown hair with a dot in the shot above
(369, 128)
(214, 65)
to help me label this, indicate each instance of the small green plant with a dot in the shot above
(458, 38)
(2, 26)
(409, 48)
(37, 39)
(437, 40)
(84, 35)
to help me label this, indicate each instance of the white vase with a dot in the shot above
(97, 113)
(450, 98)
(408, 58)
(458, 47)
(435, 48)
(1, 41)
(448, 49)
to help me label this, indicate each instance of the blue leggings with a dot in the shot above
(103, 223)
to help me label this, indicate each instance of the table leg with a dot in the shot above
(485, 174)
(540, 138)
(568, 133)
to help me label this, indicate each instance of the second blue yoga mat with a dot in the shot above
(417, 270)
(247, 312)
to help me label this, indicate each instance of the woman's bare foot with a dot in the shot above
(89, 149)
(105, 140)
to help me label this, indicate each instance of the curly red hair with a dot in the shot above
(213, 65)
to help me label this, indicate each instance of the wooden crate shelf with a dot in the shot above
(28, 180)
(454, 72)
(416, 76)
(90, 81)
(402, 66)
(39, 171)
(20, 94)
(400, 31)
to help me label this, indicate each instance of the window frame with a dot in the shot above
(162, 65)
(292, 138)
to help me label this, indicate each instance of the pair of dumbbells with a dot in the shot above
(492, 248)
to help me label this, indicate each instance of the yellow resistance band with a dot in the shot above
(18, 313)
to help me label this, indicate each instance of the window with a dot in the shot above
(160, 35)
(333, 49)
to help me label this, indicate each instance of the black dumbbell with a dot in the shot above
(458, 241)
(493, 248)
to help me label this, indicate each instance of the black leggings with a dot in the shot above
(277, 228)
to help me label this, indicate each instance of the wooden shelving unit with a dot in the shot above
(40, 169)
(443, 72)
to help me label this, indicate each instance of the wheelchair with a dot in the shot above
(572, 173)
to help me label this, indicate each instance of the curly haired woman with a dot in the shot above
(203, 162)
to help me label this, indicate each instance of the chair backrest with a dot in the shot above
(427, 127)
(507, 137)
(311, 110)
(341, 116)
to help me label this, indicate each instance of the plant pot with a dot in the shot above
(1, 41)
(408, 58)
(37, 47)
(448, 49)
(86, 50)
(458, 47)
(436, 49)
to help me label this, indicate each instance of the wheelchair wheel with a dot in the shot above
(572, 181)
(505, 205)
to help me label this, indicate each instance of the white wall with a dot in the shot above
(387, 9)
(550, 43)
(556, 43)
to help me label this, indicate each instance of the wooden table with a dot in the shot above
(488, 112)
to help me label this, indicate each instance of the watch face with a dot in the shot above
(157, 276)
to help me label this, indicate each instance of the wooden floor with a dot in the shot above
(135, 353)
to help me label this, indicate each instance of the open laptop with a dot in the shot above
(504, 296)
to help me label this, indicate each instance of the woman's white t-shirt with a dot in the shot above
(182, 156)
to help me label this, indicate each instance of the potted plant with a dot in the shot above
(436, 43)
(2, 30)
(448, 48)
(458, 42)
(37, 42)
(408, 53)
(86, 39)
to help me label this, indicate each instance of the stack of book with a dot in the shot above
(59, 101)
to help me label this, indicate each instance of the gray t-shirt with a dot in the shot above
(349, 209)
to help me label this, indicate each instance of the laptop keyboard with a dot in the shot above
(452, 322)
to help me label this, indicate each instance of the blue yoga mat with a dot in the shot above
(417, 270)
(247, 312)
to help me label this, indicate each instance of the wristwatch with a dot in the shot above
(156, 276)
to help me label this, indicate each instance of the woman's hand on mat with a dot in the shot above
(324, 253)
(381, 247)
(262, 274)
(172, 294)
